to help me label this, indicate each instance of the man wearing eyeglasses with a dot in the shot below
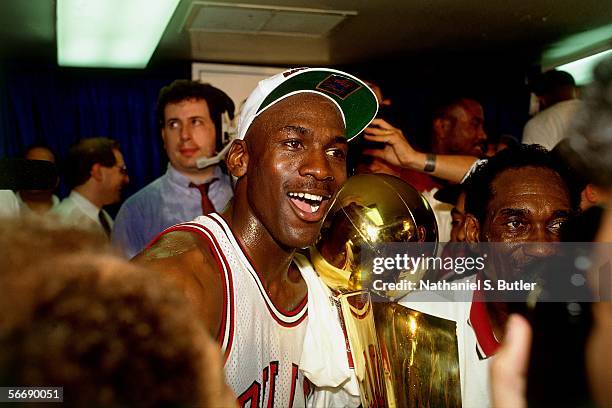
(96, 174)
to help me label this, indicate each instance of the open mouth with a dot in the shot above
(308, 204)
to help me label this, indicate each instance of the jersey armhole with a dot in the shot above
(226, 328)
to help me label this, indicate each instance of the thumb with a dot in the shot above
(509, 367)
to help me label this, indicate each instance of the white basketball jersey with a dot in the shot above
(262, 344)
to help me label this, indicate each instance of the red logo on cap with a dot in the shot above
(339, 86)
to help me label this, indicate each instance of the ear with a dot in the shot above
(96, 172)
(472, 229)
(237, 159)
(462, 232)
(591, 193)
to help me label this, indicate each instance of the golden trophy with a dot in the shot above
(401, 357)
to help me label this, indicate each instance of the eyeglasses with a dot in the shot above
(122, 169)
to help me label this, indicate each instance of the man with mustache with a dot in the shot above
(518, 200)
(240, 268)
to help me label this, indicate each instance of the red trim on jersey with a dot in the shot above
(157, 237)
(363, 314)
(479, 320)
(265, 383)
(251, 394)
(307, 388)
(294, 380)
(281, 311)
(347, 344)
(227, 300)
(272, 391)
(228, 292)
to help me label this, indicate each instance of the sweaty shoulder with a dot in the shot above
(188, 260)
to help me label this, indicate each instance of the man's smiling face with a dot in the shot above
(297, 162)
(526, 211)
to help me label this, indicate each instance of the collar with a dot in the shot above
(54, 199)
(182, 180)
(84, 204)
(486, 343)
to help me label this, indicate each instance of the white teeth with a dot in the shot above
(313, 197)
(314, 208)
(307, 196)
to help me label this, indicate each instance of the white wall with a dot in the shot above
(235, 80)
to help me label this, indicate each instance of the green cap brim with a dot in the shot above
(356, 100)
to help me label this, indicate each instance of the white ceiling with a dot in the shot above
(374, 30)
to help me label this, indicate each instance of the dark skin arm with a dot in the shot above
(399, 152)
(187, 259)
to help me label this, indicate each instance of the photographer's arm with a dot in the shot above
(399, 152)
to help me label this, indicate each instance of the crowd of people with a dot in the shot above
(196, 293)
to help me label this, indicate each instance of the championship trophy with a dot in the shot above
(401, 357)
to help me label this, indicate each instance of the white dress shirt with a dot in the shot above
(77, 211)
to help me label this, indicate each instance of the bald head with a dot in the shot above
(40, 153)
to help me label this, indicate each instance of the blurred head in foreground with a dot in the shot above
(108, 332)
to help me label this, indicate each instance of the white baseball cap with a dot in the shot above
(353, 97)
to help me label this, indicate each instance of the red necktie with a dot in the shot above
(207, 206)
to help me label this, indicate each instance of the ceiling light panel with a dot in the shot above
(302, 23)
(263, 19)
(110, 33)
(582, 69)
(227, 19)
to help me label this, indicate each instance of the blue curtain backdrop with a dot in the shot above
(57, 107)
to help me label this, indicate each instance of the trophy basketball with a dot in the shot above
(401, 357)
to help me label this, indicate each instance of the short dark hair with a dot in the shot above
(479, 185)
(575, 177)
(550, 82)
(84, 154)
(182, 89)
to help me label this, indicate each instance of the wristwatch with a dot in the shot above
(430, 163)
